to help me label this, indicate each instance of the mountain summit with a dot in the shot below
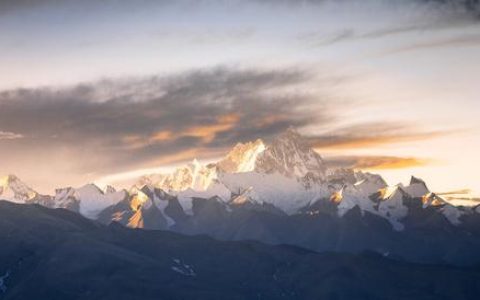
(290, 154)
(15, 190)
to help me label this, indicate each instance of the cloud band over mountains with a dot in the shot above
(373, 134)
(140, 120)
(156, 120)
(375, 162)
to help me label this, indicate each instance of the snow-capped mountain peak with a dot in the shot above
(291, 155)
(15, 190)
(417, 188)
(109, 189)
(390, 192)
(431, 199)
(193, 175)
(242, 158)
(89, 199)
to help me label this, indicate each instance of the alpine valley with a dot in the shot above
(281, 193)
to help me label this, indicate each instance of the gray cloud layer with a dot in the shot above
(13, 5)
(136, 121)
(115, 125)
(349, 34)
(419, 17)
(110, 126)
(467, 40)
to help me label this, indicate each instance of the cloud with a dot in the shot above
(472, 199)
(116, 125)
(5, 135)
(372, 135)
(456, 192)
(375, 162)
(200, 35)
(351, 34)
(407, 17)
(456, 41)
(137, 121)
(459, 195)
(12, 6)
(466, 6)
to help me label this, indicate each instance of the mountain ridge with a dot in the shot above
(287, 174)
(296, 201)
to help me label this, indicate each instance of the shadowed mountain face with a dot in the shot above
(427, 234)
(57, 254)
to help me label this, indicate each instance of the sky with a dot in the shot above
(92, 91)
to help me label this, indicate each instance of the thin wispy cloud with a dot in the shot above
(350, 34)
(199, 36)
(418, 17)
(469, 199)
(467, 40)
(375, 162)
(455, 192)
(373, 135)
(460, 6)
(15, 6)
(5, 135)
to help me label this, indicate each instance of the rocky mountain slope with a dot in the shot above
(15, 190)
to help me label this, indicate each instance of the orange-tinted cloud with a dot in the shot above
(456, 192)
(372, 135)
(208, 132)
(162, 135)
(139, 141)
(474, 199)
(176, 157)
(459, 195)
(269, 120)
(134, 141)
(390, 163)
(375, 162)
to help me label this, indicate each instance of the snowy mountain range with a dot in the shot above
(280, 192)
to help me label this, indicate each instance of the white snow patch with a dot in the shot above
(283, 192)
(93, 201)
(392, 208)
(215, 190)
(161, 205)
(452, 214)
(183, 268)
(417, 190)
(3, 286)
(14, 190)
